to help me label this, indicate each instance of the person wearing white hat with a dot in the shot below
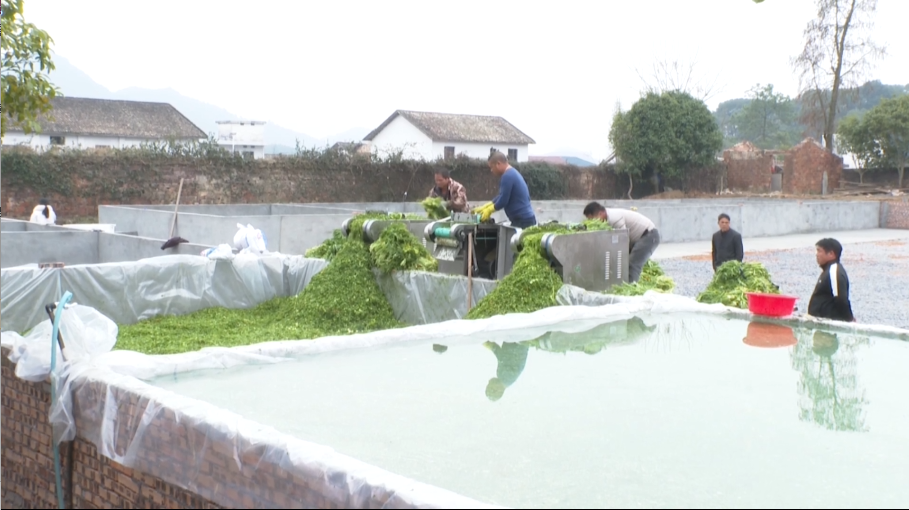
(43, 213)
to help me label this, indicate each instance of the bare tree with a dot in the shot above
(838, 53)
(676, 76)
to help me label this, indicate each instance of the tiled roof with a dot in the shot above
(127, 119)
(447, 127)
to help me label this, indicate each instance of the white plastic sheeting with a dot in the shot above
(123, 417)
(127, 292)
(570, 295)
(426, 298)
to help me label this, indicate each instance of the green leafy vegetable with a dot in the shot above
(652, 278)
(733, 280)
(342, 299)
(399, 250)
(435, 208)
(329, 248)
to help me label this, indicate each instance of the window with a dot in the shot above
(58, 140)
(248, 154)
(449, 152)
(513, 155)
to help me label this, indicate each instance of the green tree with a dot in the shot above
(767, 119)
(667, 134)
(725, 114)
(852, 136)
(888, 124)
(26, 61)
(880, 139)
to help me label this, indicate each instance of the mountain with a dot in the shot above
(853, 101)
(569, 153)
(73, 82)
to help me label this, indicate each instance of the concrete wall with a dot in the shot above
(294, 228)
(80, 247)
(291, 234)
(20, 248)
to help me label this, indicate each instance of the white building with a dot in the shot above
(243, 137)
(83, 123)
(430, 136)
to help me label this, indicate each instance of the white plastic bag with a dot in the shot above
(222, 251)
(249, 237)
(240, 241)
(86, 333)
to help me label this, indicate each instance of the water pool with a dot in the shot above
(672, 411)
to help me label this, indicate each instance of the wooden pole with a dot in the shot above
(173, 225)
(469, 270)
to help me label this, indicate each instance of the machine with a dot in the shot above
(493, 255)
(372, 229)
(594, 260)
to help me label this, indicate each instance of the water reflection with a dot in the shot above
(829, 392)
(596, 339)
(512, 356)
(769, 335)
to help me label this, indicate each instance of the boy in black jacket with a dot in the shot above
(830, 299)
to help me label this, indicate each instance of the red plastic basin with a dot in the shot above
(771, 305)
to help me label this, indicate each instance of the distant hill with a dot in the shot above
(73, 82)
(853, 102)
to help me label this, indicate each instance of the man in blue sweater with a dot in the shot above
(513, 195)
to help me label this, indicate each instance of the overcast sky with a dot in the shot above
(554, 69)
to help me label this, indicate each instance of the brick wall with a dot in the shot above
(804, 168)
(89, 479)
(895, 214)
(748, 171)
(201, 455)
(77, 183)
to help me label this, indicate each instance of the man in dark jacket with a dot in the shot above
(830, 299)
(727, 244)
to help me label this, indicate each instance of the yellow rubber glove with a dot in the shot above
(478, 210)
(487, 212)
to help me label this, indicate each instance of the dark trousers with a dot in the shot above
(640, 252)
(523, 223)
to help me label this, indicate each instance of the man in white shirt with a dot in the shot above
(643, 236)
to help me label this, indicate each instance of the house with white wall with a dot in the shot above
(431, 136)
(243, 137)
(83, 123)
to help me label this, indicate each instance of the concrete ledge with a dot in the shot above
(73, 247)
(293, 228)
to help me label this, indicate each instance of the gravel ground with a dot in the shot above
(878, 275)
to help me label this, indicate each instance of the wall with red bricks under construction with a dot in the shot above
(167, 450)
(748, 168)
(895, 214)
